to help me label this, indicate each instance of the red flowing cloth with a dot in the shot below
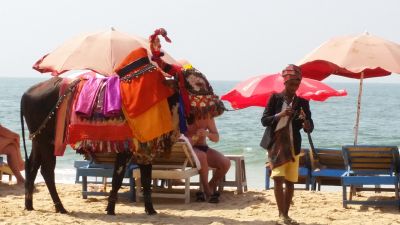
(62, 119)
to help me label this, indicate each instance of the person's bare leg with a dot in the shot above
(15, 162)
(220, 163)
(203, 172)
(279, 195)
(289, 189)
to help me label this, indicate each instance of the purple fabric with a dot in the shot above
(112, 97)
(87, 97)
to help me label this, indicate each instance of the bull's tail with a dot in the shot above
(23, 138)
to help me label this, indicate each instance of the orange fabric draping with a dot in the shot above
(140, 93)
(153, 123)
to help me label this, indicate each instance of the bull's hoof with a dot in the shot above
(111, 213)
(150, 210)
(29, 208)
(110, 209)
(60, 208)
(62, 211)
(29, 205)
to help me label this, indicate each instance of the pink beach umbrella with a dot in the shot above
(257, 90)
(101, 52)
(360, 56)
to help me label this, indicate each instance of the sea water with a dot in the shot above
(241, 130)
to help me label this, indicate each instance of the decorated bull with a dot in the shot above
(82, 113)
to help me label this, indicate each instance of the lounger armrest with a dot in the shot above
(348, 173)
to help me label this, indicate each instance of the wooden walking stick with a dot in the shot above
(313, 153)
(316, 165)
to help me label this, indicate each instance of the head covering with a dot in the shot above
(291, 72)
(203, 102)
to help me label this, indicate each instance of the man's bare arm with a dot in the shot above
(213, 134)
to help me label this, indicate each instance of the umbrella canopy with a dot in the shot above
(350, 56)
(361, 56)
(257, 90)
(101, 52)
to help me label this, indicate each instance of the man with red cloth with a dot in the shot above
(284, 116)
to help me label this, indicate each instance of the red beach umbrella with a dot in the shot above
(257, 90)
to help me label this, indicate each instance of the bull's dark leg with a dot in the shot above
(145, 178)
(47, 171)
(118, 176)
(31, 169)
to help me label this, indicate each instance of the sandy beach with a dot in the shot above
(253, 207)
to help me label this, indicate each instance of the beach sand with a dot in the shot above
(253, 207)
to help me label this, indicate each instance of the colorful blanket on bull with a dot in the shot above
(92, 127)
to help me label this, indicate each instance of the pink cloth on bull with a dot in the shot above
(112, 97)
(87, 98)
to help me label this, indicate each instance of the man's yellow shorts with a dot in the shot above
(289, 170)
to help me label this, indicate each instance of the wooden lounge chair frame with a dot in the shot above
(180, 164)
(371, 165)
(5, 170)
(327, 167)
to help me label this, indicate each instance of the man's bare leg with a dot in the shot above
(220, 163)
(279, 195)
(289, 190)
(203, 172)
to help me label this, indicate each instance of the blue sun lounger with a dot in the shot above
(86, 169)
(373, 166)
(327, 167)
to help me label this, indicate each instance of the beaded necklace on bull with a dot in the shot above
(52, 112)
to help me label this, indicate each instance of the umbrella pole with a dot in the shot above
(358, 109)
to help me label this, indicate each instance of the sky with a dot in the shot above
(225, 39)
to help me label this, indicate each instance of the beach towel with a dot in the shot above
(196, 160)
